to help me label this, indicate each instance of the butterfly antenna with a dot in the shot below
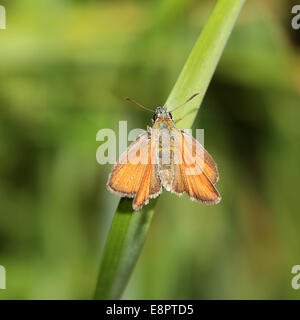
(138, 104)
(189, 99)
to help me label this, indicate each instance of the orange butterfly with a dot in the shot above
(164, 156)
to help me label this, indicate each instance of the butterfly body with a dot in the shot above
(165, 141)
(161, 157)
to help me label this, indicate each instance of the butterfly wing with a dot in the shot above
(150, 187)
(208, 166)
(195, 172)
(134, 175)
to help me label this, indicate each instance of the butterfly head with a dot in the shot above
(161, 113)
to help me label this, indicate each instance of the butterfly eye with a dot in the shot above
(170, 115)
(154, 117)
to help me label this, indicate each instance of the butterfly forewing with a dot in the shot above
(194, 170)
(134, 177)
(203, 158)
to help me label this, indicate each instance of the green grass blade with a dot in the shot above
(129, 229)
(123, 245)
(201, 64)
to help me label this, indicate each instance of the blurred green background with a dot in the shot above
(65, 67)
